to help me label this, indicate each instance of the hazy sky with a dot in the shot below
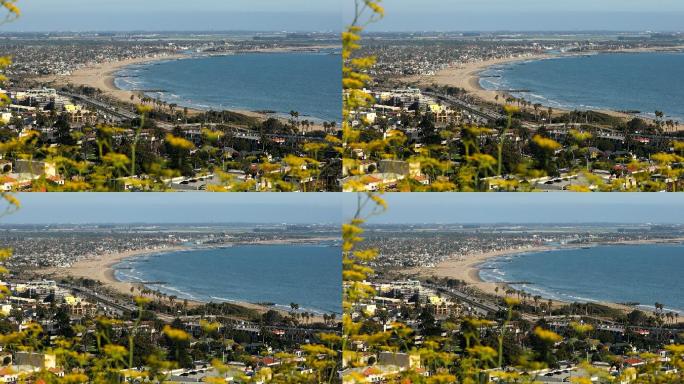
(165, 15)
(529, 15)
(335, 207)
(527, 208)
(76, 208)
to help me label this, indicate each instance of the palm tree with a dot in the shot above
(295, 118)
(536, 110)
(659, 307)
(659, 117)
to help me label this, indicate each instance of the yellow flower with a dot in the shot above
(209, 327)
(664, 158)
(175, 334)
(9, 5)
(545, 143)
(141, 300)
(74, 378)
(483, 352)
(510, 109)
(179, 142)
(676, 349)
(511, 302)
(143, 109)
(548, 336)
(581, 328)
(580, 136)
(116, 352)
(210, 135)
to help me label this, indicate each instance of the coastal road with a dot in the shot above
(481, 112)
(99, 105)
(240, 325)
(476, 302)
(238, 132)
(469, 299)
(100, 298)
(248, 134)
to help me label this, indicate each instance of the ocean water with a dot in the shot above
(643, 82)
(308, 83)
(309, 275)
(643, 274)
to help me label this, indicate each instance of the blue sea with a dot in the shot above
(643, 82)
(309, 275)
(308, 83)
(610, 273)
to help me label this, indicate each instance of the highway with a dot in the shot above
(238, 132)
(121, 114)
(481, 112)
(128, 308)
(475, 302)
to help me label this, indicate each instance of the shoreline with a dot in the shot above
(102, 268)
(467, 268)
(467, 76)
(102, 76)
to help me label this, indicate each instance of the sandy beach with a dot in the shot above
(101, 268)
(467, 267)
(467, 76)
(102, 76)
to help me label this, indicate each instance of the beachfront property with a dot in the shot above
(57, 306)
(445, 112)
(57, 115)
(417, 305)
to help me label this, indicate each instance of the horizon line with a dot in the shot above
(372, 31)
(529, 222)
(171, 223)
(172, 31)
